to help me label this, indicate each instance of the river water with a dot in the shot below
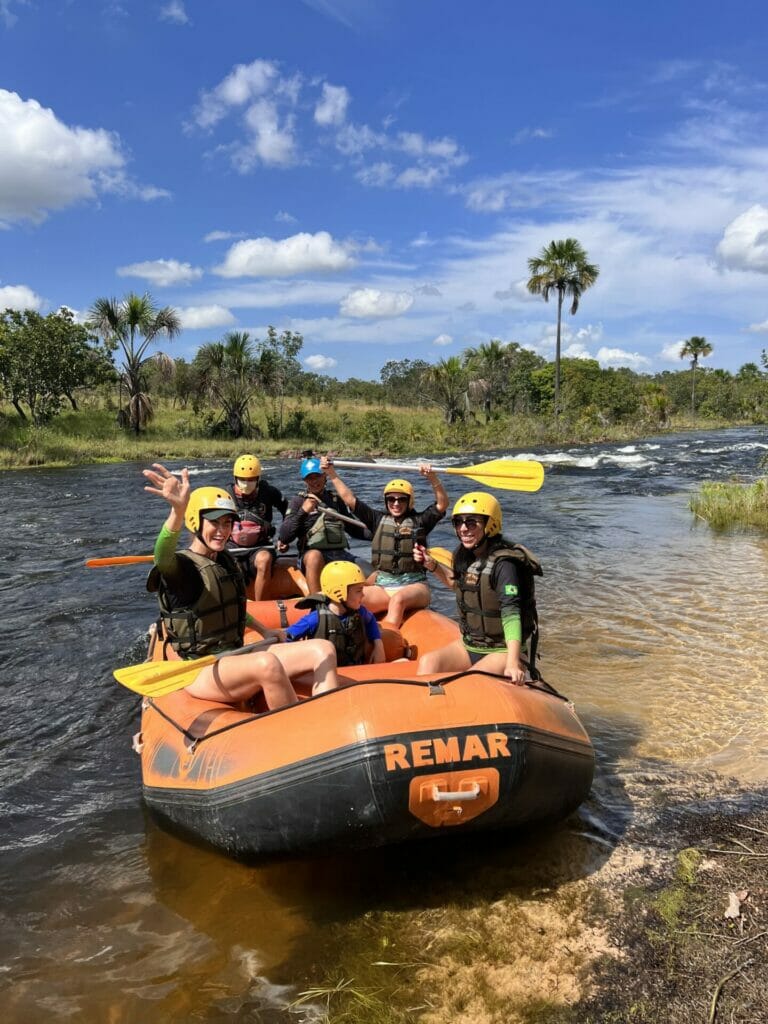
(651, 622)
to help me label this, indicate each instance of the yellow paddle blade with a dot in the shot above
(503, 474)
(156, 678)
(441, 555)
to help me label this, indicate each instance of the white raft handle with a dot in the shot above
(460, 794)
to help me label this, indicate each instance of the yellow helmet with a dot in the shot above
(208, 499)
(247, 467)
(337, 577)
(400, 487)
(482, 504)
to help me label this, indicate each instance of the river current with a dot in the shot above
(652, 624)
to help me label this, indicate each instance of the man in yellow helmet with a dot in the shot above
(401, 582)
(251, 543)
(201, 593)
(494, 583)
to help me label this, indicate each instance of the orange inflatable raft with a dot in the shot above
(390, 757)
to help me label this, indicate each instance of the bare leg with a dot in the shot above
(414, 595)
(310, 661)
(238, 678)
(375, 599)
(262, 564)
(313, 565)
(452, 658)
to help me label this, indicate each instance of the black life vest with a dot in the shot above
(347, 635)
(478, 603)
(392, 545)
(216, 620)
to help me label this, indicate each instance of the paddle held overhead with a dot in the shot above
(503, 474)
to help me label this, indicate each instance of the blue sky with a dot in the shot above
(376, 173)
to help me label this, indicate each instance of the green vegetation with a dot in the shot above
(695, 348)
(728, 505)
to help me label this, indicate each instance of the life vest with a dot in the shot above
(216, 621)
(325, 533)
(478, 603)
(392, 545)
(347, 635)
(254, 528)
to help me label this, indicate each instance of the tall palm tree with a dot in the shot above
(133, 324)
(228, 370)
(561, 267)
(695, 348)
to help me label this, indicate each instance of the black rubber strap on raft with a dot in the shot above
(283, 614)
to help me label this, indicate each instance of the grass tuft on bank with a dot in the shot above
(728, 505)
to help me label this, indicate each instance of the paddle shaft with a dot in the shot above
(506, 474)
(98, 563)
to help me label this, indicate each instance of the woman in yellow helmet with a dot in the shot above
(401, 582)
(493, 580)
(201, 593)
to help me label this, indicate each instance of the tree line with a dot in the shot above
(44, 361)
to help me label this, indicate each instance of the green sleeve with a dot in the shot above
(512, 626)
(165, 549)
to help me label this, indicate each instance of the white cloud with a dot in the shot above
(420, 177)
(517, 290)
(196, 317)
(222, 236)
(162, 273)
(526, 134)
(331, 108)
(447, 149)
(618, 357)
(174, 11)
(299, 254)
(47, 165)
(271, 142)
(671, 353)
(242, 85)
(7, 15)
(363, 303)
(744, 245)
(759, 328)
(283, 217)
(318, 362)
(443, 339)
(19, 296)
(577, 350)
(376, 175)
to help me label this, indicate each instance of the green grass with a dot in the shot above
(91, 435)
(728, 505)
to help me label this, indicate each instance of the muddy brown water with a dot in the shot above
(653, 625)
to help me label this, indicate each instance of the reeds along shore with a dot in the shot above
(728, 505)
(92, 435)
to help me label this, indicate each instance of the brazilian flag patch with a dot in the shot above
(510, 590)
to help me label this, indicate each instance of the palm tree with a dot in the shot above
(228, 370)
(488, 366)
(561, 267)
(445, 384)
(134, 323)
(694, 349)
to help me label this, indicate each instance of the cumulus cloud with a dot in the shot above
(759, 328)
(331, 108)
(243, 84)
(618, 357)
(744, 245)
(443, 339)
(162, 273)
(283, 217)
(366, 303)
(48, 165)
(300, 254)
(19, 296)
(195, 317)
(174, 11)
(318, 362)
(671, 353)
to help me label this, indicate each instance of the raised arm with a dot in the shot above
(441, 497)
(346, 494)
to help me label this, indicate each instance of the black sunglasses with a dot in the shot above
(397, 497)
(471, 522)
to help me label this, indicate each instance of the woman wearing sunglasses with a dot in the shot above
(400, 582)
(493, 580)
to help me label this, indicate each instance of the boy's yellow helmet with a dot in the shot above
(208, 499)
(337, 577)
(482, 504)
(247, 467)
